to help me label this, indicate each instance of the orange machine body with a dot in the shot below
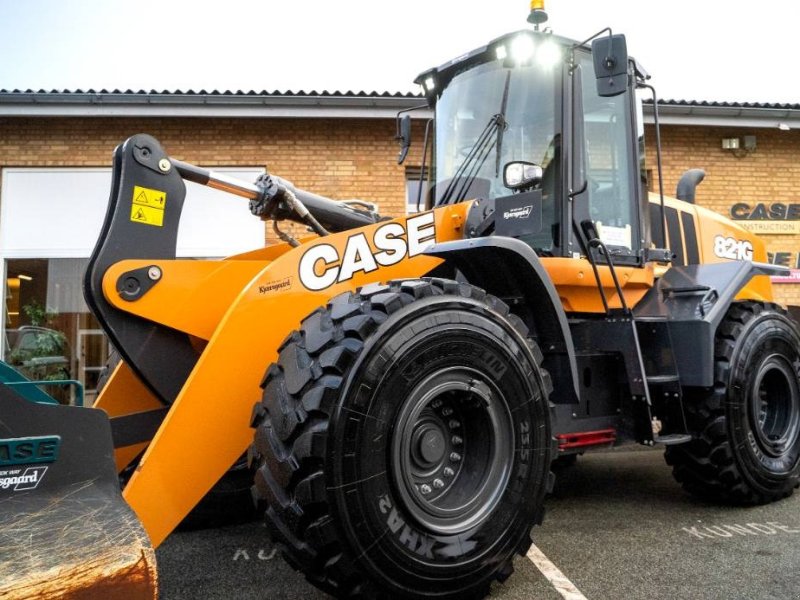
(239, 310)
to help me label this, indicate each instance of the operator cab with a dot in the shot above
(547, 133)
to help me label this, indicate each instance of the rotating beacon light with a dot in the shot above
(538, 14)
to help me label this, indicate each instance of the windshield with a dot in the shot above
(490, 107)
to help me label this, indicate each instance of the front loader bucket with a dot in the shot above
(65, 530)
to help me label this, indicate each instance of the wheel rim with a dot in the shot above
(452, 450)
(776, 406)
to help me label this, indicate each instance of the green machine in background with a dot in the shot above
(32, 390)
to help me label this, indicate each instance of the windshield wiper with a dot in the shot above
(470, 167)
(503, 105)
(480, 152)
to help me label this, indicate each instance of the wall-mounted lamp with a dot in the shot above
(730, 143)
(740, 147)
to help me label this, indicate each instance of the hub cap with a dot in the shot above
(776, 406)
(452, 450)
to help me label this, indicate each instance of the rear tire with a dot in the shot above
(403, 443)
(746, 429)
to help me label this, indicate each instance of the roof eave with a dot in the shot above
(73, 104)
(335, 105)
(723, 116)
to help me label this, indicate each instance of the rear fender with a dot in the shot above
(694, 299)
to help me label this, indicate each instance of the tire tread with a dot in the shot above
(707, 467)
(300, 392)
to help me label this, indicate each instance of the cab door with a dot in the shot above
(606, 159)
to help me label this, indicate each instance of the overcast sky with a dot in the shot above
(725, 50)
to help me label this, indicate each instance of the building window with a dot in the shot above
(415, 202)
(50, 219)
(49, 332)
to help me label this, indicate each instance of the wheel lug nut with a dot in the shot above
(447, 411)
(438, 484)
(425, 488)
(448, 472)
(436, 403)
(455, 456)
(453, 424)
(456, 440)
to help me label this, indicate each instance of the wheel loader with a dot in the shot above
(402, 385)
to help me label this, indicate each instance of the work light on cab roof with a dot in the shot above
(538, 14)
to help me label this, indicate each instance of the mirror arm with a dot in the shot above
(590, 38)
(404, 136)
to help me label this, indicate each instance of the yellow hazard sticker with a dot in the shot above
(148, 206)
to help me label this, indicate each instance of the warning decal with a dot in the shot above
(148, 206)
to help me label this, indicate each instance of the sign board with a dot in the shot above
(792, 277)
(778, 218)
(771, 227)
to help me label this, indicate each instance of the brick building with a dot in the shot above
(55, 155)
(749, 185)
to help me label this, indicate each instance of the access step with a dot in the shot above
(650, 319)
(673, 439)
(662, 379)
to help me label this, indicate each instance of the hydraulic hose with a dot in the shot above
(272, 197)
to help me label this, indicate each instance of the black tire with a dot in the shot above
(361, 407)
(746, 429)
(229, 502)
(564, 462)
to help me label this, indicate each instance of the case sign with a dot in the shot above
(777, 218)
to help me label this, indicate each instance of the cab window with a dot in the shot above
(609, 168)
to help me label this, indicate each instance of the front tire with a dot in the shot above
(746, 446)
(403, 443)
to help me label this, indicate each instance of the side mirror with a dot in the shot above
(610, 56)
(519, 175)
(404, 136)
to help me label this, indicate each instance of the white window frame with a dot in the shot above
(84, 251)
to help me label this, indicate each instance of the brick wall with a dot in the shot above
(769, 174)
(356, 158)
(339, 158)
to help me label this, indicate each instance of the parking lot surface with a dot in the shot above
(617, 526)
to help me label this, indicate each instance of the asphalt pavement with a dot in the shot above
(617, 527)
